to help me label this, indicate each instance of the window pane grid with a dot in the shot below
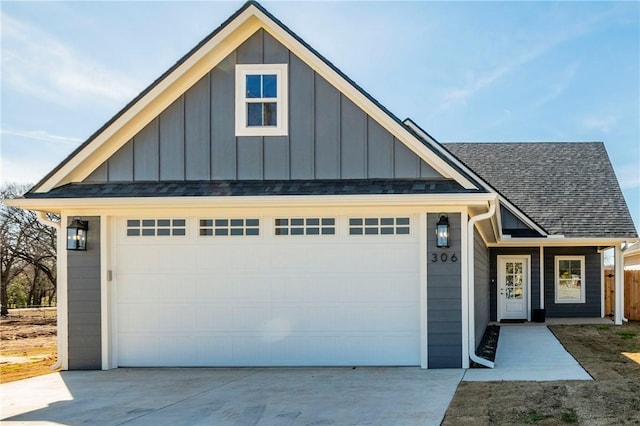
(570, 280)
(261, 97)
(305, 226)
(229, 227)
(156, 227)
(379, 226)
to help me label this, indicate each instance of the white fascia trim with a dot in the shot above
(93, 204)
(560, 242)
(155, 101)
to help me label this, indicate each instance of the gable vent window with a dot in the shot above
(229, 227)
(156, 227)
(261, 99)
(379, 226)
(305, 226)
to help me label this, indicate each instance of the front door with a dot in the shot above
(513, 283)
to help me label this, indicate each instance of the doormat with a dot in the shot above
(488, 345)
(512, 321)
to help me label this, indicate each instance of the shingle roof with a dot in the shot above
(567, 188)
(251, 188)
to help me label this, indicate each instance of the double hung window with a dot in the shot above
(570, 285)
(261, 99)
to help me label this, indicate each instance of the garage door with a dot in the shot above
(268, 291)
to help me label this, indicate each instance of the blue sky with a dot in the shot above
(465, 71)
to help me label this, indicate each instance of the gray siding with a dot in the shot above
(83, 292)
(197, 118)
(510, 221)
(592, 306)
(223, 139)
(444, 298)
(534, 279)
(481, 278)
(329, 137)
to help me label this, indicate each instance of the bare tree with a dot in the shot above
(25, 243)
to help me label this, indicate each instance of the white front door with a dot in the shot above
(513, 285)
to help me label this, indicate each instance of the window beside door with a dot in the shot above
(569, 279)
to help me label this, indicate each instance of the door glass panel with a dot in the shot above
(513, 280)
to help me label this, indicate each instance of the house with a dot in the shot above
(632, 257)
(255, 207)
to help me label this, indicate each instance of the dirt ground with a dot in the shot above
(28, 345)
(607, 352)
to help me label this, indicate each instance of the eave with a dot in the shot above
(98, 206)
(562, 242)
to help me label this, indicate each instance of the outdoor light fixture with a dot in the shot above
(442, 232)
(77, 235)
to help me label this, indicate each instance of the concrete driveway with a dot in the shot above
(233, 396)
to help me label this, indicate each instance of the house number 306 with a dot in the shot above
(443, 257)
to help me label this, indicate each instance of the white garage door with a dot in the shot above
(303, 291)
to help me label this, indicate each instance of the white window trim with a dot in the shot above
(583, 283)
(282, 109)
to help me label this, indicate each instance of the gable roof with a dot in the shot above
(568, 188)
(189, 69)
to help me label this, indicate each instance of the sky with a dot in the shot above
(464, 71)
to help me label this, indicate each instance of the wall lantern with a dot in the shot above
(442, 232)
(77, 235)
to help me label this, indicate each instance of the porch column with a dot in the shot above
(618, 284)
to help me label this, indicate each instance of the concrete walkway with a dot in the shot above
(529, 352)
(232, 396)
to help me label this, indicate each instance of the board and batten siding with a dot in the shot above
(83, 306)
(481, 274)
(593, 283)
(534, 279)
(444, 297)
(329, 136)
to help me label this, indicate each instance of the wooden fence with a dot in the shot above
(631, 294)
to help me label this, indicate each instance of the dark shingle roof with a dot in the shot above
(567, 188)
(251, 188)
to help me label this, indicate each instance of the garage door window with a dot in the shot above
(229, 227)
(379, 226)
(305, 226)
(156, 227)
